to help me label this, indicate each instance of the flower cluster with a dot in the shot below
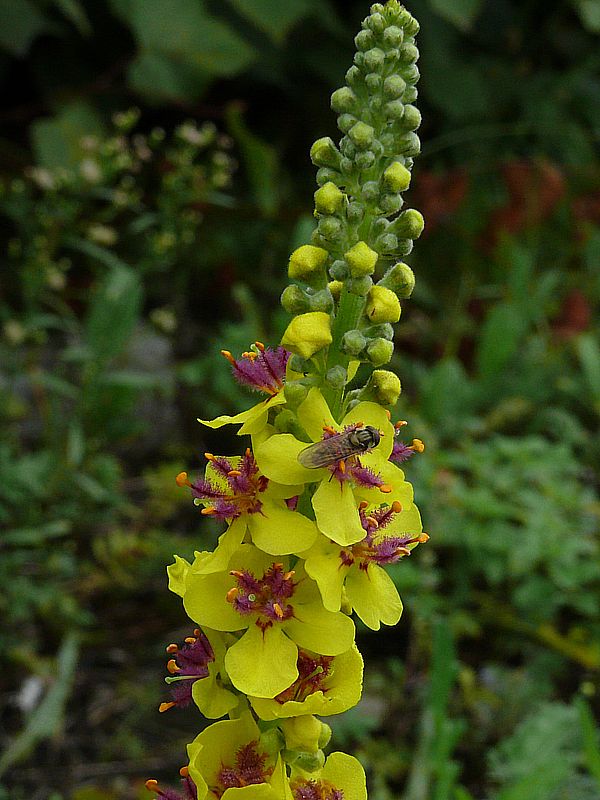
(316, 507)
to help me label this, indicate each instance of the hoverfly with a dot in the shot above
(339, 446)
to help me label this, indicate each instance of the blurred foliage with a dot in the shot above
(136, 249)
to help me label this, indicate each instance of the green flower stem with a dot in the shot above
(347, 318)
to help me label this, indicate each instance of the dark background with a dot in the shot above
(139, 243)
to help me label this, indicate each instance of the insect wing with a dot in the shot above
(329, 451)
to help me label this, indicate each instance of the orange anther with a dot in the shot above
(386, 488)
(329, 429)
(362, 505)
(404, 550)
(172, 666)
(278, 610)
(190, 640)
(228, 356)
(372, 522)
(417, 446)
(289, 575)
(232, 594)
(197, 632)
(400, 424)
(184, 772)
(396, 507)
(172, 648)
(165, 707)
(234, 473)
(260, 346)
(152, 785)
(208, 511)
(236, 573)
(424, 537)
(342, 466)
(388, 413)
(277, 565)
(182, 479)
(209, 456)
(359, 424)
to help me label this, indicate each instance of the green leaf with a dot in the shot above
(23, 537)
(158, 76)
(591, 738)
(47, 719)
(588, 353)
(500, 337)
(447, 393)
(589, 12)
(273, 17)
(20, 23)
(184, 31)
(260, 161)
(460, 13)
(113, 313)
(57, 140)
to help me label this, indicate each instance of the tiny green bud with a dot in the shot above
(376, 22)
(308, 333)
(394, 87)
(362, 135)
(355, 213)
(328, 199)
(295, 393)
(410, 73)
(382, 305)
(336, 377)
(373, 81)
(393, 36)
(396, 177)
(377, 8)
(394, 110)
(410, 95)
(383, 331)
(405, 246)
(409, 53)
(325, 736)
(330, 228)
(359, 286)
(400, 279)
(327, 175)
(339, 270)
(409, 225)
(383, 387)
(353, 343)
(271, 742)
(347, 166)
(365, 160)
(285, 420)
(324, 153)
(353, 76)
(370, 191)
(298, 364)
(412, 118)
(364, 40)
(380, 225)
(343, 100)
(411, 26)
(307, 263)
(335, 287)
(390, 203)
(374, 104)
(294, 300)
(321, 301)
(347, 147)
(374, 59)
(361, 260)
(387, 243)
(379, 351)
(409, 144)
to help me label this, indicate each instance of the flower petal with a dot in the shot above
(319, 630)
(254, 418)
(262, 664)
(346, 774)
(277, 458)
(212, 699)
(205, 601)
(373, 596)
(314, 413)
(229, 542)
(324, 566)
(336, 512)
(373, 414)
(279, 531)
(177, 573)
(218, 745)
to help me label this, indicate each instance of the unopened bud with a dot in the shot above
(382, 305)
(321, 301)
(396, 177)
(325, 736)
(383, 387)
(343, 100)
(409, 53)
(359, 286)
(335, 287)
(364, 40)
(328, 199)
(330, 228)
(409, 225)
(400, 279)
(308, 333)
(324, 153)
(339, 270)
(374, 59)
(362, 135)
(394, 110)
(336, 377)
(411, 119)
(379, 351)
(353, 342)
(295, 393)
(393, 36)
(361, 260)
(307, 263)
(394, 87)
(302, 733)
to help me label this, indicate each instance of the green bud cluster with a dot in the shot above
(354, 269)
